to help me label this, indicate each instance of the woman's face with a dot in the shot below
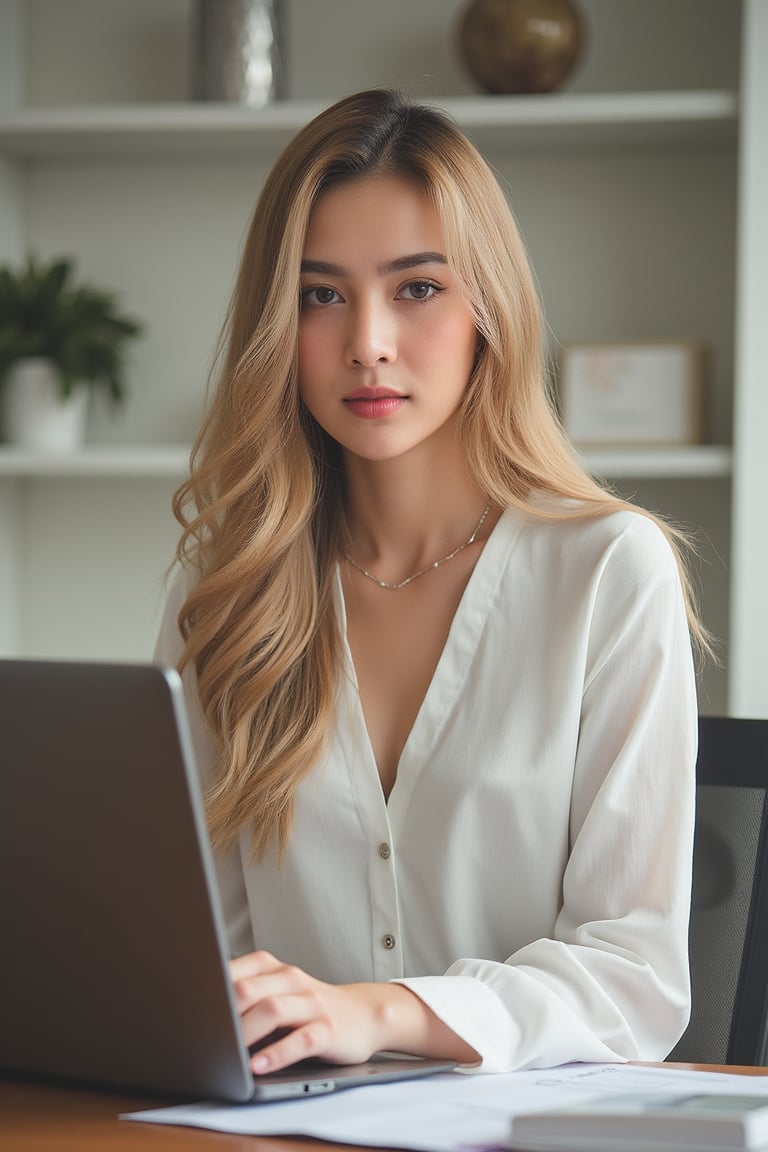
(386, 341)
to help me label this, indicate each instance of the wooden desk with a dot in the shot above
(41, 1118)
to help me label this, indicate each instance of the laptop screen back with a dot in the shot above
(112, 967)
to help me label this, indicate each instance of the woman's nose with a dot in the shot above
(371, 336)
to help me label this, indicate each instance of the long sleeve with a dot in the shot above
(612, 981)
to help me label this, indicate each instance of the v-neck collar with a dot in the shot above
(447, 680)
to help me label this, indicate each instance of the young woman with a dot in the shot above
(440, 681)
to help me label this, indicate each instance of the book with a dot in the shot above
(648, 1122)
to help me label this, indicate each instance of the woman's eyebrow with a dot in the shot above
(413, 261)
(399, 264)
(323, 268)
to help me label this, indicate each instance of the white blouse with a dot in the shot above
(529, 876)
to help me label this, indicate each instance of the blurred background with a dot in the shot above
(637, 183)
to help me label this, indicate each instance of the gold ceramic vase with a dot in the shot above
(521, 46)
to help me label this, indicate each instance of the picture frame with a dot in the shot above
(639, 393)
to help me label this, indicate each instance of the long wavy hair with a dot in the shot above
(262, 511)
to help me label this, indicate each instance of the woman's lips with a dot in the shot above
(369, 406)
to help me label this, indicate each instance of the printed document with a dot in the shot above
(449, 1112)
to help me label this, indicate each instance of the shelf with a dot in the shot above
(497, 122)
(700, 461)
(599, 120)
(172, 460)
(103, 460)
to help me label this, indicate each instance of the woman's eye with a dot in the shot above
(319, 295)
(419, 290)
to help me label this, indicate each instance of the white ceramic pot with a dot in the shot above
(34, 414)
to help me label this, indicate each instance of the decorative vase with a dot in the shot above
(34, 412)
(237, 51)
(521, 46)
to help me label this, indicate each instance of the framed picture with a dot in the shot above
(644, 393)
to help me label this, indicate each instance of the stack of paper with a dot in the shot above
(453, 1112)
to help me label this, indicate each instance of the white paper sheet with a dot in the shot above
(450, 1112)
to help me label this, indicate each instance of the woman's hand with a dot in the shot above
(342, 1023)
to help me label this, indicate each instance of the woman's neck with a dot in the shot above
(403, 514)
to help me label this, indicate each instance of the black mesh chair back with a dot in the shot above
(729, 913)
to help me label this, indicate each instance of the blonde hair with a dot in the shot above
(262, 510)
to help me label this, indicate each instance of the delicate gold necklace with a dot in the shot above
(428, 567)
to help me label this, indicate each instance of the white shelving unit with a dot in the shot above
(146, 461)
(140, 461)
(641, 210)
(499, 124)
(699, 462)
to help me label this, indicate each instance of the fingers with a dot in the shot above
(286, 1028)
(301, 1043)
(279, 1004)
(270, 994)
(297, 1017)
(259, 975)
(253, 990)
(253, 964)
(283, 1011)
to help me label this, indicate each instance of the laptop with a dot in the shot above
(113, 965)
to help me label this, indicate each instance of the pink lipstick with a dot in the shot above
(373, 403)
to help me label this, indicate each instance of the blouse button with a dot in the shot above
(388, 941)
(385, 851)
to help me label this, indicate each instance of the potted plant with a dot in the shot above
(58, 340)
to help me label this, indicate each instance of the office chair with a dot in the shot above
(729, 912)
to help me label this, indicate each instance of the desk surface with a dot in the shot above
(42, 1118)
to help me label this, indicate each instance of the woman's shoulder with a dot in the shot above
(626, 537)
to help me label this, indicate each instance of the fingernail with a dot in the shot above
(259, 1063)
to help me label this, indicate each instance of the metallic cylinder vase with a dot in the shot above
(237, 51)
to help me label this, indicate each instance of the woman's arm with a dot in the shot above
(343, 1023)
(612, 982)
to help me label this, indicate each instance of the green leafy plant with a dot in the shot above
(79, 328)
